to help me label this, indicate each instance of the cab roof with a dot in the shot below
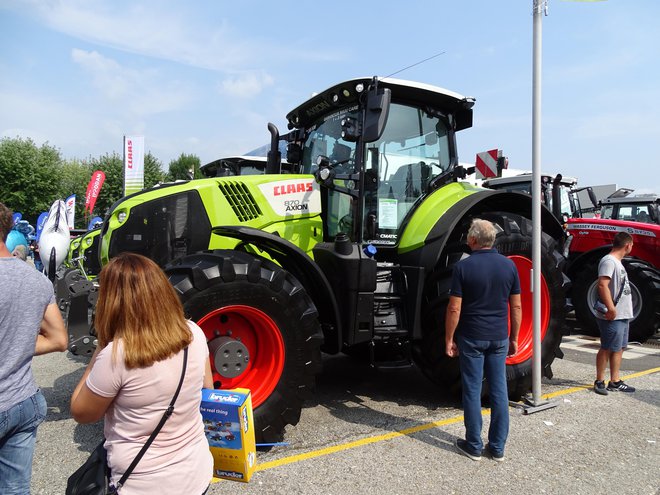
(637, 199)
(348, 92)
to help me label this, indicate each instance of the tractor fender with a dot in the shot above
(578, 260)
(439, 229)
(300, 265)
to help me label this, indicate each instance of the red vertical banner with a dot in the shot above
(89, 189)
(93, 189)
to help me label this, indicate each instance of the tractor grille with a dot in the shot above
(241, 200)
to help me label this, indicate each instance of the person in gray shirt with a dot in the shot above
(615, 294)
(30, 324)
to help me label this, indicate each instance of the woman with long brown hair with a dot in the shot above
(133, 375)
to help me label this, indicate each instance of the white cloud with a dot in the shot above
(140, 90)
(246, 85)
(190, 36)
(42, 118)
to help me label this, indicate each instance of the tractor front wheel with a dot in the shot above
(261, 327)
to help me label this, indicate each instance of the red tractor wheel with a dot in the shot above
(246, 350)
(262, 331)
(514, 241)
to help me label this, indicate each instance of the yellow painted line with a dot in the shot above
(586, 387)
(357, 443)
(409, 431)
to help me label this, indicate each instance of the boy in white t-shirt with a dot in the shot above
(614, 291)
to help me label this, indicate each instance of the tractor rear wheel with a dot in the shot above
(514, 240)
(645, 286)
(262, 331)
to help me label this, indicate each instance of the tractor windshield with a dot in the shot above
(325, 139)
(398, 168)
(413, 150)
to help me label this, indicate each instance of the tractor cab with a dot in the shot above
(643, 208)
(376, 156)
(559, 193)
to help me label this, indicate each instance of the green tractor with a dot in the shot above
(349, 250)
(88, 253)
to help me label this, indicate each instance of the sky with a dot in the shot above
(205, 77)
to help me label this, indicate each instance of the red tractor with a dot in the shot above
(592, 239)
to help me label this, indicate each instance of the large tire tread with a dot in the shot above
(514, 238)
(646, 283)
(208, 280)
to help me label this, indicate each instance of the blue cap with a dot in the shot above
(370, 250)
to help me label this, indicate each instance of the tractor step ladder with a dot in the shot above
(390, 347)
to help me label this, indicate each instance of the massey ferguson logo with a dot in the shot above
(284, 189)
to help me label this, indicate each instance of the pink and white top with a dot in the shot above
(179, 460)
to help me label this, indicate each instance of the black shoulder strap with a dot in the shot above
(623, 284)
(168, 412)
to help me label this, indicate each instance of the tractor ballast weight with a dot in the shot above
(354, 253)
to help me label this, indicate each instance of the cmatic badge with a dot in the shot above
(229, 429)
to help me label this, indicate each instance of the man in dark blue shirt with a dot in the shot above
(485, 290)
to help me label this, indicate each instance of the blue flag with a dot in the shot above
(95, 222)
(17, 216)
(40, 223)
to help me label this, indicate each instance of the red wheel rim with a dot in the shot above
(525, 338)
(263, 340)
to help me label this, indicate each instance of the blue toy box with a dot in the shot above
(229, 428)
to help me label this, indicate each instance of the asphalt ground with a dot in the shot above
(372, 432)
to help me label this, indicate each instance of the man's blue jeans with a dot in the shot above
(478, 358)
(18, 433)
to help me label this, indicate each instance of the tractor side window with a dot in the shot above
(643, 214)
(627, 212)
(324, 139)
(567, 207)
(606, 211)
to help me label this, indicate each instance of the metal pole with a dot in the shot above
(539, 8)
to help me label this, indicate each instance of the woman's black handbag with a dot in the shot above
(93, 477)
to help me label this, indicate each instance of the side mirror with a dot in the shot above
(592, 197)
(556, 198)
(377, 111)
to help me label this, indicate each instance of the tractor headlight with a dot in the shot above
(121, 216)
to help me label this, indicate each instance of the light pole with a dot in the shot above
(537, 403)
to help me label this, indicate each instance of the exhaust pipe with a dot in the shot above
(273, 162)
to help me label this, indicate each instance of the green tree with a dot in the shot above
(153, 171)
(113, 188)
(73, 177)
(28, 176)
(181, 167)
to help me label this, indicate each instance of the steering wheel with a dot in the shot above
(346, 224)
